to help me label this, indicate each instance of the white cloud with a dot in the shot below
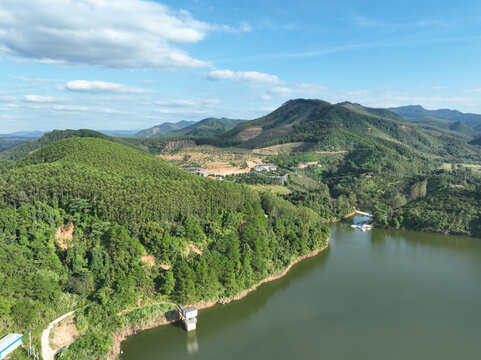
(113, 34)
(473, 91)
(68, 108)
(71, 108)
(280, 91)
(249, 77)
(394, 98)
(243, 27)
(180, 111)
(293, 89)
(102, 87)
(188, 102)
(356, 93)
(38, 99)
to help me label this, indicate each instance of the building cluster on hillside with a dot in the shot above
(265, 167)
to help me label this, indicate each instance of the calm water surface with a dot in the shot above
(376, 295)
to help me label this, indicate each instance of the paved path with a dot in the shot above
(47, 352)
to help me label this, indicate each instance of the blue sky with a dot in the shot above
(131, 64)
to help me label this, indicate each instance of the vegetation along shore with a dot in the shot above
(121, 224)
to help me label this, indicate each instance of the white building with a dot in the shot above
(9, 343)
(190, 318)
(265, 167)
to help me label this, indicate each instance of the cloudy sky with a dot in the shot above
(131, 64)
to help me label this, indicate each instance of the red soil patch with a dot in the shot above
(149, 260)
(194, 248)
(64, 235)
(64, 333)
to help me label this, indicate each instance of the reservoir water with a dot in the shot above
(375, 295)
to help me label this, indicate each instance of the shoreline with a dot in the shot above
(122, 335)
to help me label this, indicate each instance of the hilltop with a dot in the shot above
(103, 170)
(343, 127)
(208, 127)
(25, 149)
(163, 129)
(204, 127)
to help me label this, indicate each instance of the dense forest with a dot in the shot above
(25, 149)
(98, 224)
(133, 222)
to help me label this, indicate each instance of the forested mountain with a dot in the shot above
(476, 141)
(163, 129)
(25, 134)
(204, 127)
(119, 133)
(342, 127)
(382, 113)
(92, 222)
(417, 111)
(9, 142)
(23, 150)
(208, 127)
(445, 201)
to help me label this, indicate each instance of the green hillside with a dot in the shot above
(208, 127)
(11, 141)
(341, 127)
(451, 204)
(476, 141)
(133, 222)
(416, 111)
(163, 129)
(437, 125)
(127, 185)
(462, 128)
(202, 128)
(431, 121)
(23, 150)
(382, 113)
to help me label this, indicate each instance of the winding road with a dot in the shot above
(47, 352)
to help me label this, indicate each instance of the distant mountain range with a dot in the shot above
(11, 140)
(119, 133)
(476, 141)
(26, 148)
(315, 123)
(204, 127)
(346, 127)
(417, 111)
(163, 129)
(25, 134)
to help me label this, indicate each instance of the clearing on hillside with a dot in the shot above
(218, 161)
(64, 333)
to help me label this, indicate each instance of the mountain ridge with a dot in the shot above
(416, 111)
(205, 127)
(343, 126)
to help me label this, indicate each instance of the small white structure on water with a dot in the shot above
(9, 343)
(189, 317)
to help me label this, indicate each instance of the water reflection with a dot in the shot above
(257, 300)
(192, 343)
(376, 295)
